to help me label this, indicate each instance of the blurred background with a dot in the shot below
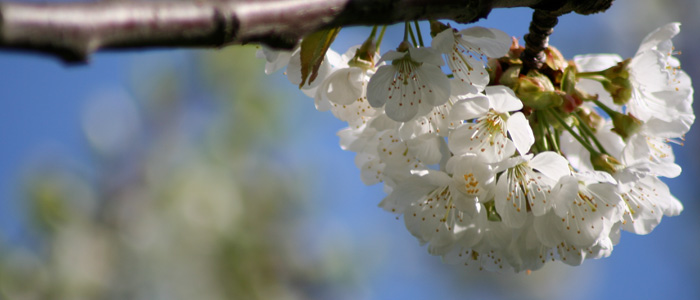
(189, 174)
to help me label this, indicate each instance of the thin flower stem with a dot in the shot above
(553, 138)
(374, 32)
(420, 36)
(413, 37)
(405, 32)
(568, 128)
(604, 107)
(541, 129)
(381, 36)
(590, 74)
(587, 130)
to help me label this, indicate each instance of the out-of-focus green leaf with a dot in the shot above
(313, 50)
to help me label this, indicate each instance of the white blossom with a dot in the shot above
(524, 187)
(660, 89)
(460, 49)
(492, 125)
(439, 208)
(411, 85)
(456, 156)
(275, 59)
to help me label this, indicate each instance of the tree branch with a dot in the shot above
(72, 31)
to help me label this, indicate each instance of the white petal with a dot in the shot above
(426, 55)
(344, 86)
(379, 85)
(460, 90)
(596, 62)
(276, 59)
(458, 139)
(426, 148)
(596, 88)
(668, 203)
(677, 127)
(320, 102)
(294, 69)
(401, 113)
(661, 34)
(649, 70)
(520, 132)
(503, 99)
(547, 229)
(470, 108)
(392, 55)
(510, 204)
(433, 177)
(405, 194)
(469, 205)
(491, 42)
(563, 194)
(551, 164)
(444, 41)
(437, 86)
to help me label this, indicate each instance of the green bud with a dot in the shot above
(619, 88)
(618, 83)
(568, 79)
(495, 70)
(605, 163)
(625, 125)
(537, 91)
(403, 47)
(554, 59)
(591, 118)
(364, 56)
(437, 27)
(509, 77)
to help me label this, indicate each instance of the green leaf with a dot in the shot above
(313, 50)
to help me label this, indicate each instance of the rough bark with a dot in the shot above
(72, 31)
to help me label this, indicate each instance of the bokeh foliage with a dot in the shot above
(181, 199)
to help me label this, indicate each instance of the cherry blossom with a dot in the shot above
(487, 177)
(411, 85)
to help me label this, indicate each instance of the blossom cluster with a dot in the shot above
(496, 169)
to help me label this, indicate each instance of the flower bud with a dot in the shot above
(625, 125)
(515, 51)
(437, 27)
(571, 102)
(554, 59)
(403, 47)
(510, 76)
(606, 163)
(364, 56)
(495, 70)
(618, 83)
(591, 118)
(537, 91)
